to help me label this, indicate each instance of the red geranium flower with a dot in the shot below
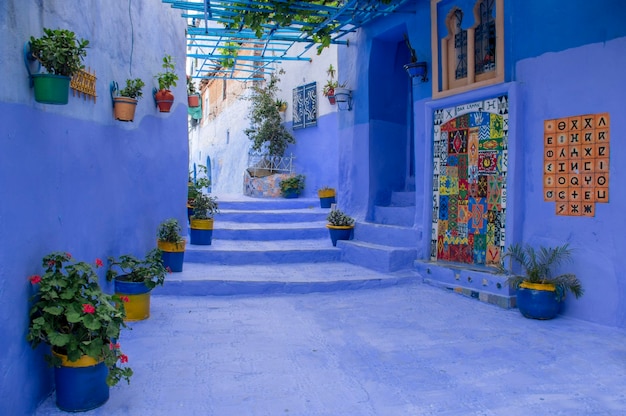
(99, 263)
(124, 299)
(168, 269)
(69, 256)
(51, 263)
(87, 308)
(123, 358)
(35, 279)
(114, 346)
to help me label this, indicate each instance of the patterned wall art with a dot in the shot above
(576, 163)
(470, 160)
(304, 109)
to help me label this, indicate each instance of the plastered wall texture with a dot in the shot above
(73, 178)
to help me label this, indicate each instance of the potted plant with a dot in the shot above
(195, 186)
(81, 324)
(61, 54)
(340, 226)
(201, 221)
(293, 186)
(172, 244)
(327, 196)
(281, 105)
(193, 98)
(331, 84)
(134, 280)
(414, 68)
(125, 103)
(539, 293)
(166, 80)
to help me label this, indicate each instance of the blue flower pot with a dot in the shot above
(538, 303)
(81, 386)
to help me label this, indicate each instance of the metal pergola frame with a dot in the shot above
(216, 46)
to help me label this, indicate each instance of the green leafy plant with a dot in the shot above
(196, 185)
(267, 132)
(169, 231)
(281, 105)
(191, 87)
(339, 218)
(204, 207)
(133, 88)
(292, 184)
(537, 267)
(167, 78)
(149, 270)
(59, 51)
(331, 84)
(75, 317)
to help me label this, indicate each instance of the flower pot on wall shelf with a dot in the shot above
(51, 89)
(164, 100)
(193, 100)
(417, 70)
(124, 108)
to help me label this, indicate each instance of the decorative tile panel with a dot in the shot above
(576, 163)
(469, 177)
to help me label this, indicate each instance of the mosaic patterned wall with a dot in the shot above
(576, 163)
(469, 182)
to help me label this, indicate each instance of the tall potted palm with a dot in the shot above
(540, 293)
(61, 54)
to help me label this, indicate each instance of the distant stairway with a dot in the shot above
(388, 243)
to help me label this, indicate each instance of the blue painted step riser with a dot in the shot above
(403, 199)
(262, 257)
(270, 235)
(270, 203)
(230, 288)
(404, 216)
(386, 235)
(384, 260)
(270, 217)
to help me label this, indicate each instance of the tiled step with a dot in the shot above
(377, 257)
(238, 252)
(199, 279)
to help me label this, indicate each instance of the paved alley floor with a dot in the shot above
(409, 349)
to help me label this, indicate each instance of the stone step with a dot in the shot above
(285, 215)
(402, 199)
(267, 231)
(198, 279)
(238, 252)
(385, 234)
(238, 202)
(404, 216)
(377, 257)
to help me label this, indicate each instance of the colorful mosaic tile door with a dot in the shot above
(470, 160)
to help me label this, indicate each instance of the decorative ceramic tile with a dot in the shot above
(576, 163)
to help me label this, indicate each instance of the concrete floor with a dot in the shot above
(395, 349)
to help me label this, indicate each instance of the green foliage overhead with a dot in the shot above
(266, 130)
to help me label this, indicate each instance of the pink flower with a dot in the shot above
(51, 263)
(99, 263)
(114, 346)
(124, 299)
(123, 358)
(68, 255)
(35, 279)
(168, 269)
(87, 308)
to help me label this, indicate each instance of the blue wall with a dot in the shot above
(72, 178)
(563, 58)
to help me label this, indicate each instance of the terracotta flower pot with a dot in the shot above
(164, 100)
(124, 108)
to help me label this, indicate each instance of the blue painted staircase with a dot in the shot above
(277, 245)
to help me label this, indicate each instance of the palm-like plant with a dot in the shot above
(538, 267)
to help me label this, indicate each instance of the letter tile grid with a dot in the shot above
(576, 163)
(470, 163)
